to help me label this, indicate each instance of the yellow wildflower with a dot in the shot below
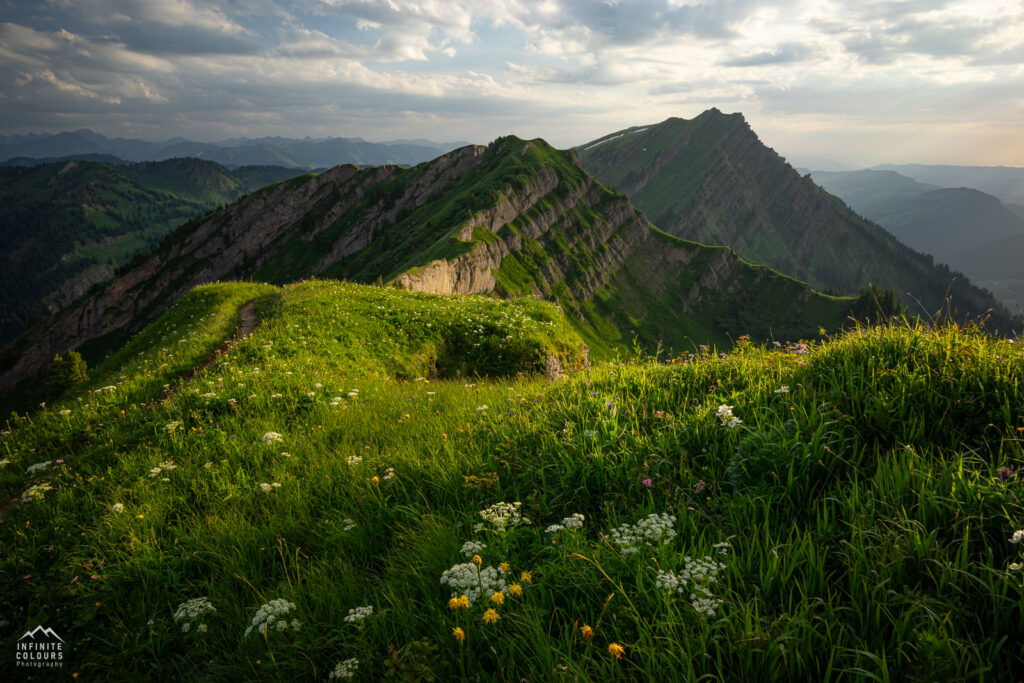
(587, 632)
(464, 601)
(515, 590)
(526, 577)
(491, 616)
(459, 634)
(616, 650)
(477, 560)
(453, 604)
(375, 479)
(504, 566)
(498, 598)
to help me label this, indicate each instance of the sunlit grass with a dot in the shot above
(853, 522)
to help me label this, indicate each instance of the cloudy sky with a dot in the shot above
(862, 82)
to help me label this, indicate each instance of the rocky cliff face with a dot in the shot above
(515, 217)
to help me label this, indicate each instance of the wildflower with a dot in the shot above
(389, 474)
(515, 590)
(477, 560)
(1014, 566)
(117, 507)
(784, 389)
(587, 632)
(503, 516)
(653, 530)
(357, 614)
(616, 650)
(38, 467)
(724, 413)
(354, 460)
(1018, 536)
(526, 577)
(504, 566)
(470, 581)
(459, 634)
(481, 409)
(271, 615)
(453, 603)
(5, 462)
(272, 437)
(375, 479)
(491, 616)
(647, 483)
(345, 669)
(349, 523)
(473, 548)
(65, 412)
(267, 488)
(498, 599)
(192, 611)
(36, 492)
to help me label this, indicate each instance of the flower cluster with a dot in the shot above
(192, 611)
(653, 530)
(345, 669)
(573, 521)
(39, 467)
(504, 516)
(36, 492)
(470, 581)
(272, 616)
(172, 427)
(357, 614)
(267, 488)
(696, 578)
(1018, 536)
(471, 548)
(724, 413)
(272, 437)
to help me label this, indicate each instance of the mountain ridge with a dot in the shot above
(513, 218)
(711, 179)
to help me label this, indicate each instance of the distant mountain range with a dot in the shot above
(67, 226)
(1005, 182)
(711, 180)
(972, 231)
(306, 153)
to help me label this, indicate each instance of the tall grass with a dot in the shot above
(854, 524)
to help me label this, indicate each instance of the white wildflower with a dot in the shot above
(354, 460)
(192, 611)
(1018, 536)
(117, 507)
(271, 615)
(784, 389)
(473, 581)
(39, 467)
(36, 492)
(655, 529)
(503, 516)
(346, 669)
(574, 521)
(172, 427)
(471, 548)
(357, 614)
(272, 437)
(267, 488)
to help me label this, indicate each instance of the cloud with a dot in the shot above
(783, 54)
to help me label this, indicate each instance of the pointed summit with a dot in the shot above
(39, 630)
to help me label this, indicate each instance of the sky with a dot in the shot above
(859, 82)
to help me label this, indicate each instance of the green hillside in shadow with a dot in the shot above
(70, 225)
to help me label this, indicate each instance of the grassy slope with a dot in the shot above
(860, 500)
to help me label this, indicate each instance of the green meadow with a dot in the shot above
(383, 485)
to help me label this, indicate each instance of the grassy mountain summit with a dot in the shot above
(514, 218)
(311, 505)
(69, 225)
(711, 179)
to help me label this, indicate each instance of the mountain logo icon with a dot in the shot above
(39, 630)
